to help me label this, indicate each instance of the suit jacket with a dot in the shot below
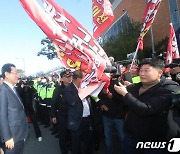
(13, 121)
(75, 107)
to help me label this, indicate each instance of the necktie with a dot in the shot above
(17, 95)
(16, 92)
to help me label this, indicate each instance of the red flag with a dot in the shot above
(77, 48)
(102, 16)
(172, 49)
(148, 18)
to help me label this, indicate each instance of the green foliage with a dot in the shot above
(48, 49)
(161, 46)
(124, 42)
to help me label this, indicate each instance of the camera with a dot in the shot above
(115, 69)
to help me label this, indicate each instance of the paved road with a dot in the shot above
(49, 144)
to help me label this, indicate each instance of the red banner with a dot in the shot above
(102, 16)
(172, 49)
(77, 48)
(148, 18)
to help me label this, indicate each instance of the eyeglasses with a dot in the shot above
(16, 73)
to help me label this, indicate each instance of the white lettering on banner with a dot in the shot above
(95, 27)
(100, 1)
(151, 13)
(174, 45)
(172, 146)
(58, 17)
(150, 16)
(77, 42)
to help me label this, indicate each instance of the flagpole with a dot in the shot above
(152, 40)
(135, 55)
(152, 43)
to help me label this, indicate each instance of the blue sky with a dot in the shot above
(20, 37)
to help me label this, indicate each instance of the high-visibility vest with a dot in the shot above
(50, 91)
(42, 91)
(136, 79)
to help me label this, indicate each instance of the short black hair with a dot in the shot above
(6, 68)
(77, 74)
(154, 62)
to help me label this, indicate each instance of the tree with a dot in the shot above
(124, 43)
(48, 49)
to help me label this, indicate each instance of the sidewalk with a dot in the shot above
(48, 145)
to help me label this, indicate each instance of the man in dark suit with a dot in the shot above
(59, 109)
(13, 121)
(78, 117)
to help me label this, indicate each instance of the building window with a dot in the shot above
(174, 14)
(115, 3)
(117, 27)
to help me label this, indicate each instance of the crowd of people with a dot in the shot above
(146, 111)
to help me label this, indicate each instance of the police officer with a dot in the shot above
(59, 111)
(175, 70)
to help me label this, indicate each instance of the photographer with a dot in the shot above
(26, 91)
(149, 117)
(113, 111)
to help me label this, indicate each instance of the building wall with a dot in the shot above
(135, 10)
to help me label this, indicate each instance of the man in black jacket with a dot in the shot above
(26, 91)
(59, 109)
(113, 110)
(79, 122)
(149, 118)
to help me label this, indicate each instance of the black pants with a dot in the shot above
(64, 134)
(18, 148)
(35, 123)
(81, 139)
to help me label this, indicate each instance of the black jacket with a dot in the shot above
(58, 102)
(149, 116)
(116, 107)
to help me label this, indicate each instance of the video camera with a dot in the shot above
(116, 70)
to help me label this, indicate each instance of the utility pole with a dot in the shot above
(152, 40)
